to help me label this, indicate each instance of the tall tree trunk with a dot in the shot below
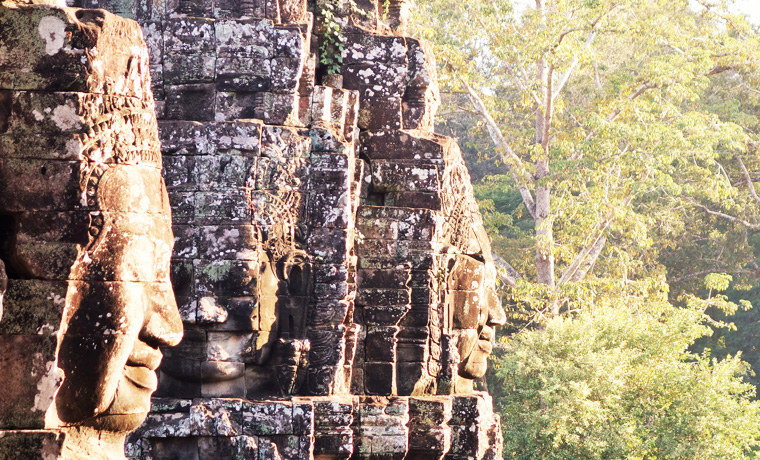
(544, 234)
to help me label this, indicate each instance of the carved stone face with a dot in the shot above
(475, 310)
(119, 305)
(227, 331)
(229, 353)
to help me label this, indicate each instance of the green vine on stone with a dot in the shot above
(334, 39)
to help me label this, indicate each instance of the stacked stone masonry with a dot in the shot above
(330, 264)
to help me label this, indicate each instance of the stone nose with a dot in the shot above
(496, 314)
(163, 325)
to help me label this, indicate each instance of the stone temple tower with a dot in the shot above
(330, 265)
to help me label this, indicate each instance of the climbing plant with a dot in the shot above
(335, 14)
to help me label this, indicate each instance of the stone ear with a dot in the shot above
(295, 268)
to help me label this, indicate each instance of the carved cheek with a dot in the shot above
(468, 339)
(103, 319)
(145, 250)
(136, 262)
(163, 254)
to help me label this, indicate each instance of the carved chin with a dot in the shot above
(477, 363)
(130, 406)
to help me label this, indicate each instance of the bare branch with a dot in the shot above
(455, 111)
(633, 96)
(508, 156)
(565, 34)
(506, 273)
(588, 255)
(576, 59)
(548, 110)
(585, 259)
(523, 85)
(726, 216)
(750, 185)
(590, 260)
(719, 69)
(596, 78)
(753, 90)
(691, 276)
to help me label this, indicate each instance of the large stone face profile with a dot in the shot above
(85, 234)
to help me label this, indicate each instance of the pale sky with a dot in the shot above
(751, 8)
(748, 7)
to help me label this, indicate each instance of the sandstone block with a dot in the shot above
(225, 277)
(219, 172)
(380, 345)
(33, 307)
(394, 176)
(61, 56)
(383, 315)
(178, 172)
(376, 80)
(379, 378)
(405, 145)
(380, 113)
(196, 102)
(365, 48)
(20, 445)
(184, 138)
(244, 73)
(252, 38)
(36, 379)
(183, 69)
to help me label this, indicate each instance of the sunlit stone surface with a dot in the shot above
(330, 263)
(85, 234)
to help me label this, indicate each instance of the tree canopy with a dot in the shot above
(624, 127)
(618, 382)
(620, 195)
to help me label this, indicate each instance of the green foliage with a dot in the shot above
(744, 334)
(652, 109)
(638, 123)
(333, 40)
(385, 7)
(618, 382)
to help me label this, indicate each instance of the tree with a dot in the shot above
(604, 114)
(626, 213)
(617, 382)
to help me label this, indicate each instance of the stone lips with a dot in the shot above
(400, 297)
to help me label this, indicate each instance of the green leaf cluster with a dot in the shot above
(619, 382)
(647, 139)
(333, 17)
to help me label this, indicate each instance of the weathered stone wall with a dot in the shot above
(331, 267)
(395, 296)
